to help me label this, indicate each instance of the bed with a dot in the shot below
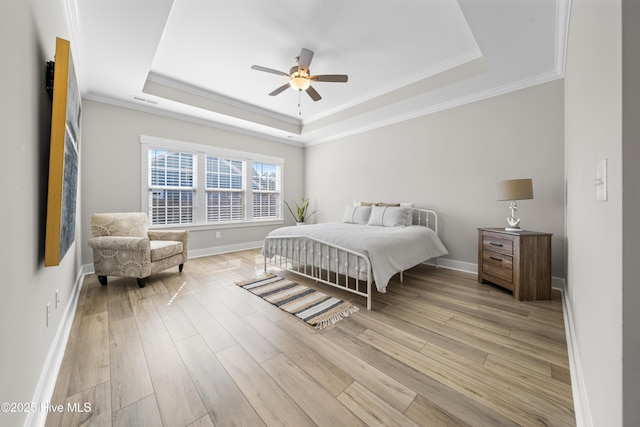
(369, 246)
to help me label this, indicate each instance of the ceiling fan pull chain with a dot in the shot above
(299, 102)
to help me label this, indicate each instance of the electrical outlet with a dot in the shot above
(218, 234)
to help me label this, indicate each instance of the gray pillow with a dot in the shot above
(390, 216)
(356, 214)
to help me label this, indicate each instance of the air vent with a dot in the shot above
(148, 101)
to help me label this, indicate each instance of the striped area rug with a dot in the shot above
(314, 307)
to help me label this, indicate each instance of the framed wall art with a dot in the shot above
(63, 157)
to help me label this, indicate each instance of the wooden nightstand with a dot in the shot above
(516, 260)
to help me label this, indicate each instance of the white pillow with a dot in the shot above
(356, 214)
(409, 212)
(390, 216)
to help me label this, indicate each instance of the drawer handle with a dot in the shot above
(496, 244)
(496, 259)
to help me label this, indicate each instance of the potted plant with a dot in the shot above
(300, 214)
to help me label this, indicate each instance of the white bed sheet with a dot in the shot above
(389, 249)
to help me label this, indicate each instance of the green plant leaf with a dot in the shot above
(301, 210)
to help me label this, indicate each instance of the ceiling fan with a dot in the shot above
(300, 77)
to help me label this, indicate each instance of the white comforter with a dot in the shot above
(389, 249)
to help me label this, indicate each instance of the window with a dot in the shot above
(225, 189)
(266, 195)
(202, 185)
(170, 187)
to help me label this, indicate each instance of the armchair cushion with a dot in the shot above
(161, 249)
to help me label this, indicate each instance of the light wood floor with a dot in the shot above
(193, 349)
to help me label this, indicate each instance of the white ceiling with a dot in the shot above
(192, 58)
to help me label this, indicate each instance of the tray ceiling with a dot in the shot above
(192, 59)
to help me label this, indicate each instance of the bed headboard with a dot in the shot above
(426, 218)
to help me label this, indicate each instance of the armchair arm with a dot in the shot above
(121, 256)
(115, 243)
(177, 235)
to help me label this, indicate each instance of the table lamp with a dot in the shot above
(514, 189)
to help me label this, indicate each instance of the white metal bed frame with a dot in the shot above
(291, 255)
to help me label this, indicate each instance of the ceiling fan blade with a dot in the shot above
(313, 94)
(339, 78)
(280, 89)
(304, 60)
(269, 70)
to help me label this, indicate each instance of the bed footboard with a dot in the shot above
(324, 262)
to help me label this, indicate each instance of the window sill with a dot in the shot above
(217, 226)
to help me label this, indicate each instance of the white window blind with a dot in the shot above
(265, 184)
(171, 187)
(225, 185)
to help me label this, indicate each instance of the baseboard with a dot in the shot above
(452, 264)
(217, 250)
(580, 398)
(49, 375)
(557, 283)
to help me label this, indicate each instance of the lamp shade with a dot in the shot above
(300, 83)
(515, 189)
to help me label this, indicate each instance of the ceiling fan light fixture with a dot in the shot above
(300, 76)
(300, 83)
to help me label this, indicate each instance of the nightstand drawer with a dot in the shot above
(497, 242)
(498, 265)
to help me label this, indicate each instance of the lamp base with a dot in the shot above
(513, 229)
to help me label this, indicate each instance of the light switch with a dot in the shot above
(601, 181)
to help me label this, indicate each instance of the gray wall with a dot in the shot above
(593, 123)
(449, 162)
(28, 30)
(111, 180)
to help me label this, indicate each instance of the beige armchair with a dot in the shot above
(122, 246)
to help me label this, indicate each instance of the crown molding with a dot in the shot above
(185, 87)
(188, 118)
(478, 96)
